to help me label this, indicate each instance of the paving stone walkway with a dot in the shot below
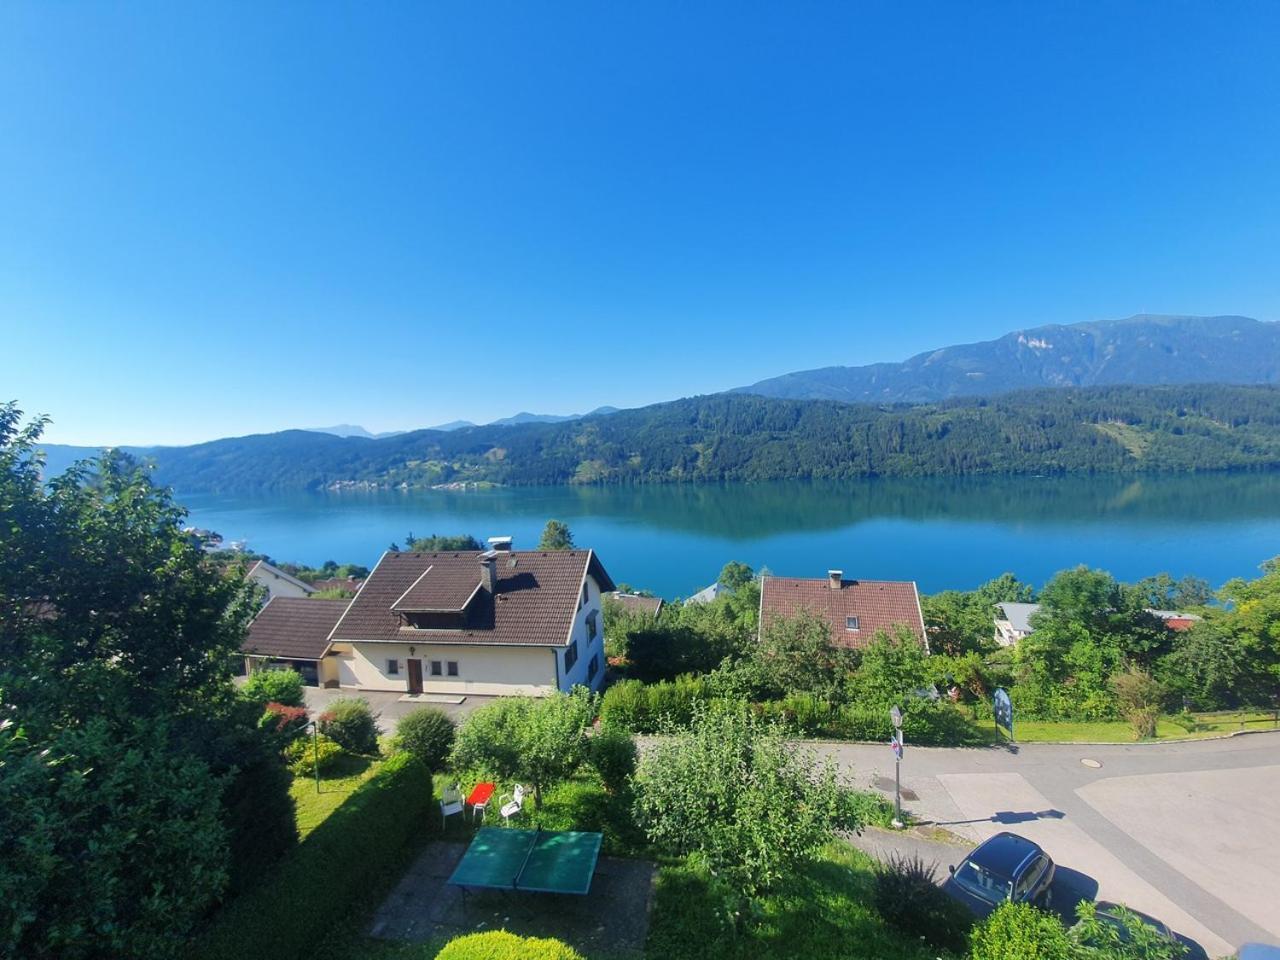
(612, 918)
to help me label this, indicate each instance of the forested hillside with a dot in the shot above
(748, 438)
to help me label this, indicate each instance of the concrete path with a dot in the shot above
(1187, 832)
(387, 705)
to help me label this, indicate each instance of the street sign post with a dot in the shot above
(1002, 707)
(896, 743)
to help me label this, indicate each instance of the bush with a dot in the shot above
(612, 753)
(1018, 931)
(261, 817)
(428, 735)
(351, 723)
(307, 753)
(641, 708)
(365, 841)
(907, 895)
(500, 945)
(281, 686)
(1138, 697)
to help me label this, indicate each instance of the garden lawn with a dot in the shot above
(336, 784)
(1118, 731)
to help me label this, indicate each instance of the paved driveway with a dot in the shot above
(1186, 832)
(388, 705)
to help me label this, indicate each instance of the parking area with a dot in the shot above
(389, 705)
(1186, 832)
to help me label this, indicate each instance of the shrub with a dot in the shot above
(500, 945)
(428, 735)
(365, 841)
(734, 791)
(351, 723)
(907, 895)
(612, 753)
(281, 686)
(1018, 931)
(261, 817)
(281, 724)
(1138, 697)
(1138, 941)
(641, 708)
(306, 753)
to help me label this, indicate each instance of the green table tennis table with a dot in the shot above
(533, 861)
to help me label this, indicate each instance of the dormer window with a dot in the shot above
(851, 623)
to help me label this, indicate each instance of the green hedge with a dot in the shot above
(288, 913)
(500, 945)
(640, 707)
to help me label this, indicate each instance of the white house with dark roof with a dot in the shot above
(276, 582)
(501, 621)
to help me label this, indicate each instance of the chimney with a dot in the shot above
(488, 571)
(833, 578)
(500, 544)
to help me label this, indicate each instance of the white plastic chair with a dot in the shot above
(450, 803)
(512, 806)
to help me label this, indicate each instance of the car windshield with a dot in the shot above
(982, 882)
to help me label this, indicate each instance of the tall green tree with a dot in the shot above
(556, 536)
(126, 754)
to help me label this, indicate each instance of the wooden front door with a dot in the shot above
(415, 676)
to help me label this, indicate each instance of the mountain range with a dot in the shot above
(352, 430)
(1123, 389)
(1142, 349)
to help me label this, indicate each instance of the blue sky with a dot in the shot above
(236, 218)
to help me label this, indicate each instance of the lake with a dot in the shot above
(673, 540)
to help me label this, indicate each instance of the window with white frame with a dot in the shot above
(851, 623)
(437, 668)
(393, 668)
(452, 668)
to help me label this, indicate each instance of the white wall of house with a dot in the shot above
(588, 647)
(276, 585)
(489, 670)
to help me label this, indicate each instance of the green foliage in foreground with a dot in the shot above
(428, 734)
(500, 945)
(907, 895)
(273, 686)
(351, 723)
(538, 742)
(732, 791)
(823, 910)
(349, 858)
(1019, 931)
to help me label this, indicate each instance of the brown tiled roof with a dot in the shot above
(637, 604)
(339, 583)
(536, 601)
(293, 628)
(878, 605)
(441, 586)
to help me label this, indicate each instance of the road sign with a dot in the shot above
(897, 748)
(1002, 706)
(896, 715)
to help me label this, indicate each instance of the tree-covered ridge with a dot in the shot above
(731, 437)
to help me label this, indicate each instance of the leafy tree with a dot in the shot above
(795, 655)
(735, 793)
(445, 544)
(556, 536)
(129, 761)
(1005, 588)
(735, 575)
(1138, 941)
(890, 668)
(539, 742)
(1165, 593)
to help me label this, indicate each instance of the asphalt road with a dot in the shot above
(1187, 832)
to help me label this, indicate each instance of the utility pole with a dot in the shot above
(896, 716)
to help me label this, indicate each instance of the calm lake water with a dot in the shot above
(939, 532)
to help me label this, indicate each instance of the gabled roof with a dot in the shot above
(634, 603)
(293, 628)
(1019, 615)
(441, 587)
(269, 569)
(707, 594)
(877, 604)
(535, 603)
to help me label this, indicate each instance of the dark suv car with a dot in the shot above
(1006, 867)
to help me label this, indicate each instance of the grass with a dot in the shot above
(336, 784)
(1118, 731)
(824, 912)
